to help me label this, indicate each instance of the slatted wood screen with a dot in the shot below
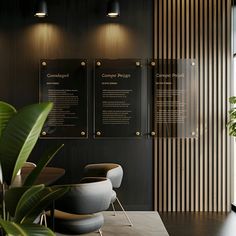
(194, 174)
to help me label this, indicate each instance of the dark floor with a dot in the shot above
(200, 224)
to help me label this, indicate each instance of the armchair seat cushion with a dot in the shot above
(67, 223)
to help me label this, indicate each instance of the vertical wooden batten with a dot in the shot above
(194, 174)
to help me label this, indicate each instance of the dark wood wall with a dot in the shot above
(79, 29)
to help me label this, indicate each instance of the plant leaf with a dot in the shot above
(19, 138)
(232, 100)
(232, 111)
(14, 229)
(6, 112)
(12, 197)
(1, 175)
(35, 200)
(47, 157)
(49, 195)
(28, 195)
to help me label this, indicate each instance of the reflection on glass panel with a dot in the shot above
(175, 98)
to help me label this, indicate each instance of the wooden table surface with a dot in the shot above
(49, 175)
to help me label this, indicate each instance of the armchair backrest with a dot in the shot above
(91, 196)
(112, 171)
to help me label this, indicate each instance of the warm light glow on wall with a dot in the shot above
(43, 38)
(117, 40)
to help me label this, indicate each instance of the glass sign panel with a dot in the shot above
(175, 98)
(64, 82)
(117, 98)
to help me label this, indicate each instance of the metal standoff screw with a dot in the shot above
(44, 133)
(193, 63)
(137, 133)
(138, 63)
(153, 133)
(83, 133)
(99, 133)
(83, 63)
(153, 63)
(99, 63)
(44, 63)
(193, 133)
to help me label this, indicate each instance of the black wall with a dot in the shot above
(79, 29)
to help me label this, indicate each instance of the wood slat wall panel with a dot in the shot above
(194, 174)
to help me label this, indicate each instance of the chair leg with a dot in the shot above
(100, 232)
(127, 217)
(43, 218)
(113, 207)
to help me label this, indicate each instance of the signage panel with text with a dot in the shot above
(117, 98)
(64, 82)
(175, 98)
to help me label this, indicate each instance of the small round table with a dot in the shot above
(48, 175)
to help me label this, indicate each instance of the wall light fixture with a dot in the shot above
(41, 8)
(113, 8)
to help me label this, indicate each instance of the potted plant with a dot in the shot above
(232, 117)
(20, 206)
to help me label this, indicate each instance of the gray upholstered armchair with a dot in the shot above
(79, 210)
(112, 171)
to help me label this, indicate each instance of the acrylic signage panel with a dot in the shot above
(174, 98)
(64, 82)
(117, 98)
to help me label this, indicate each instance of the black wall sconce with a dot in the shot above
(113, 8)
(41, 9)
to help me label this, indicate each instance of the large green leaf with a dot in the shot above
(47, 157)
(19, 138)
(14, 229)
(28, 195)
(35, 200)
(6, 112)
(12, 197)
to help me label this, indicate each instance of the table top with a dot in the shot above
(48, 175)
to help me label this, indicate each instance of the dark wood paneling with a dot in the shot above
(79, 29)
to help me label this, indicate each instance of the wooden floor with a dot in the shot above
(200, 224)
